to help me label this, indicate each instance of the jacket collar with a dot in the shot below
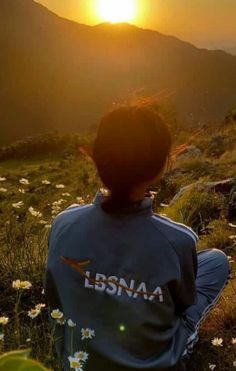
(143, 206)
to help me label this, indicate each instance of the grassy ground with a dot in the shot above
(23, 237)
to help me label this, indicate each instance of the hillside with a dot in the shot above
(34, 188)
(232, 51)
(56, 73)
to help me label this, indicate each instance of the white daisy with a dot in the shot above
(24, 181)
(82, 356)
(60, 186)
(18, 205)
(21, 285)
(217, 342)
(56, 314)
(4, 320)
(75, 363)
(34, 212)
(33, 313)
(87, 333)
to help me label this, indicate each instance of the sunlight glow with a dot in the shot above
(116, 11)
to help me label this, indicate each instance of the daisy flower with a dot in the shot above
(82, 356)
(4, 320)
(87, 333)
(33, 313)
(21, 285)
(24, 181)
(34, 212)
(217, 342)
(56, 314)
(75, 363)
(60, 186)
(18, 205)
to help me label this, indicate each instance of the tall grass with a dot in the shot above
(23, 248)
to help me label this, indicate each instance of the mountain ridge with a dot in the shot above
(57, 73)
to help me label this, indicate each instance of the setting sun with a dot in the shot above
(115, 11)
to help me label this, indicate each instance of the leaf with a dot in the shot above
(18, 361)
(15, 353)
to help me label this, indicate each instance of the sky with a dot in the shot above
(206, 23)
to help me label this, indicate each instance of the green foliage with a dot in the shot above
(44, 144)
(196, 207)
(18, 361)
(199, 166)
(218, 236)
(215, 145)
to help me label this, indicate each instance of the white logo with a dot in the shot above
(116, 286)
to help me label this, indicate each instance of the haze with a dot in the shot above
(208, 23)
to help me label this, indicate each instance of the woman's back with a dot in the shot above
(134, 276)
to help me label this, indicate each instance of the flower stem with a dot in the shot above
(17, 322)
(50, 351)
(71, 341)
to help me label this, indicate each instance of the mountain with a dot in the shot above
(232, 50)
(55, 73)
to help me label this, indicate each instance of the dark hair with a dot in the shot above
(131, 147)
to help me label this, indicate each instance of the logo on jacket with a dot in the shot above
(114, 285)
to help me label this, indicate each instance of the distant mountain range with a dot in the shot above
(55, 73)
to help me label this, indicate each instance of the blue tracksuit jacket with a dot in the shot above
(136, 278)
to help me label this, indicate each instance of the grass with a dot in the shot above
(23, 241)
(196, 207)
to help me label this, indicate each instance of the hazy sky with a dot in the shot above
(210, 23)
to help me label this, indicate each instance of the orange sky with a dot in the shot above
(210, 23)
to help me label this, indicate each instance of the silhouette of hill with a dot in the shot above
(232, 50)
(56, 73)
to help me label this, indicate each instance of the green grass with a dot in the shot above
(23, 241)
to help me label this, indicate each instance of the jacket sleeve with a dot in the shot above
(184, 292)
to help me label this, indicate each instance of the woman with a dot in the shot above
(115, 266)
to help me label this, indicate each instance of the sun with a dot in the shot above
(116, 11)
